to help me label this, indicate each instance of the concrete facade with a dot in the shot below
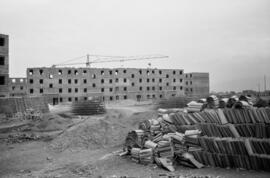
(72, 84)
(197, 84)
(4, 65)
(17, 87)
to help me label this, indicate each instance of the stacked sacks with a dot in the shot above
(248, 99)
(134, 145)
(202, 100)
(135, 154)
(241, 104)
(223, 102)
(164, 149)
(146, 156)
(232, 100)
(261, 103)
(158, 140)
(166, 124)
(192, 144)
(194, 106)
(212, 102)
(191, 138)
(135, 138)
(143, 156)
(178, 143)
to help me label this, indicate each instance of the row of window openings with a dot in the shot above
(31, 81)
(111, 98)
(14, 80)
(190, 75)
(13, 87)
(190, 89)
(76, 90)
(60, 72)
(139, 96)
(85, 98)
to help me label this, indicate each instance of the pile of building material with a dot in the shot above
(236, 138)
(88, 107)
(157, 141)
(194, 106)
(228, 137)
(212, 101)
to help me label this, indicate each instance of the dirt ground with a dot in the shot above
(86, 147)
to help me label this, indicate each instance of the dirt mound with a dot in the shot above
(107, 131)
(50, 122)
(47, 127)
(46, 123)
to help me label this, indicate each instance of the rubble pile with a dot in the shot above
(235, 138)
(19, 138)
(29, 114)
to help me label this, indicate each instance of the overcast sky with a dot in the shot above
(230, 39)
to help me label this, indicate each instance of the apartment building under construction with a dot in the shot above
(68, 84)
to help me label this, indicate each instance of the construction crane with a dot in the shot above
(105, 59)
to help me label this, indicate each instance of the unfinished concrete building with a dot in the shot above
(72, 84)
(17, 87)
(197, 84)
(4, 65)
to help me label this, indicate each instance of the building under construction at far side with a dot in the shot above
(68, 84)
(74, 84)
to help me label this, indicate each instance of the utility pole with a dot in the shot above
(264, 83)
(87, 60)
(259, 88)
